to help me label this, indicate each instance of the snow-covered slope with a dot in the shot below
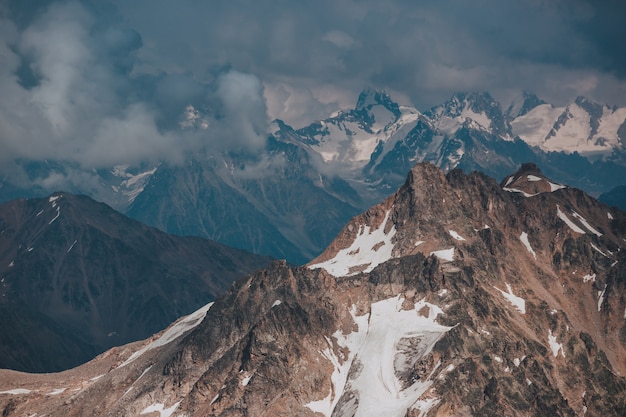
(583, 126)
(346, 141)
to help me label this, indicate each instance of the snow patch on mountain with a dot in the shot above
(568, 222)
(160, 408)
(345, 142)
(53, 202)
(524, 238)
(57, 391)
(133, 184)
(398, 130)
(181, 327)
(387, 343)
(444, 254)
(597, 249)
(586, 224)
(480, 118)
(601, 296)
(518, 302)
(448, 125)
(17, 391)
(589, 277)
(71, 246)
(515, 190)
(369, 249)
(554, 187)
(554, 346)
(382, 118)
(58, 209)
(456, 236)
(192, 118)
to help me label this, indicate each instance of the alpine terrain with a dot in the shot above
(455, 296)
(289, 199)
(77, 278)
(356, 158)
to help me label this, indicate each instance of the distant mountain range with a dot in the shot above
(290, 200)
(455, 296)
(77, 278)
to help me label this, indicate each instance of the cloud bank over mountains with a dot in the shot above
(71, 95)
(109, 83)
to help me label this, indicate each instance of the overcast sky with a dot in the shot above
(106, 82)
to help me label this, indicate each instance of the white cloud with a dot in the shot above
(340, 39)
(111, 83)
(245, 110)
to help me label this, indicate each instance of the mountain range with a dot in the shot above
(77, 278)
(456, 295)
(290, 200)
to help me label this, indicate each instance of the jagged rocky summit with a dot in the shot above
(456, 296)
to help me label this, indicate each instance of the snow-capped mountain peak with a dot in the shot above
(347, 139)
(582, 126)
(522, 104)
(370, 98)
(478, 107)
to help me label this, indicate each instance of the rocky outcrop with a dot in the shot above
(472, 299)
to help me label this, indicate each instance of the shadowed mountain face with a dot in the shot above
(77, 278)
(455, 296)
(280, 206)
(616, 197)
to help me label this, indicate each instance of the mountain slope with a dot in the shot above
(278, 205)
(77, 278)
(616, 197)
(455, 296)
(291, 197)
(583, 126)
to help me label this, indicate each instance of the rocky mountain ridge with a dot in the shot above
(354, 159)
(455, 296)
(77, 278)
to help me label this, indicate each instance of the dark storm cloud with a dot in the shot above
(108, 82)
(70, 94)
(605, 31)
(318, 55)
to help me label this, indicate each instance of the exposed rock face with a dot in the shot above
(474, 299)
(77, 278)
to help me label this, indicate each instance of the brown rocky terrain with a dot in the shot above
(456, 296)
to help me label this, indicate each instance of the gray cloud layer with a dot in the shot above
(102, 83)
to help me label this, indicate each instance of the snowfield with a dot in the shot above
(370, 247)
(524, 238)
(568, 222)
(518, 302)
(386, 345)
(444, 254)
